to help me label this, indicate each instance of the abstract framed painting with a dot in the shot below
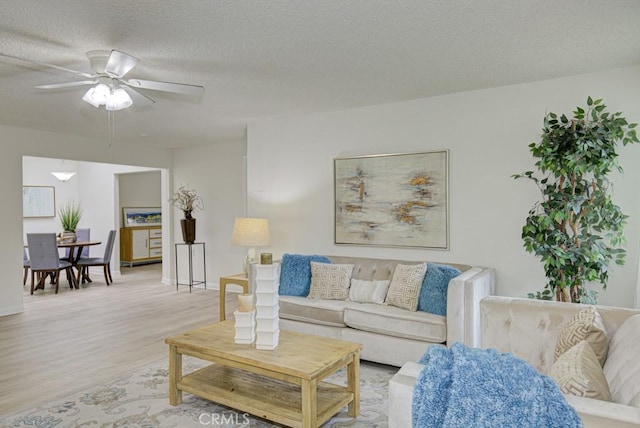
(38, 201)
(395, 200)
(139, 216)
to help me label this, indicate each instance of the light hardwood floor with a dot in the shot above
(77, 338)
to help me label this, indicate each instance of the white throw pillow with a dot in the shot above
(330, 281)
(368, 291)
(578, 372)
(405, 286)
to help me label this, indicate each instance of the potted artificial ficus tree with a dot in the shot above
(575, 228)
(187, 200)
(69, 214)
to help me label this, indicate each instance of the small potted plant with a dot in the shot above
(187, 200)
(70, 214)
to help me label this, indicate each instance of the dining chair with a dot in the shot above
(44, 259)
(25, 264)
(104, 261)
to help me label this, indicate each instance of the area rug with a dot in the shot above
(141, 400)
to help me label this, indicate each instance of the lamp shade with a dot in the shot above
(251, 232)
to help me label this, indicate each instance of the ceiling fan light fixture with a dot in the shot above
(119, 100)
(97, 95)
(88, 97)
(110, 89)
(101, 94)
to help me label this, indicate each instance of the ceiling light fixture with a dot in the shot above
(114, 98)
(63, 175)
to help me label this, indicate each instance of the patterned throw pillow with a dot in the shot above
(295, 274)
(585, 325)
(330, 281)
(433, 294)
(578, 372)
(368, 291)
(405, 286)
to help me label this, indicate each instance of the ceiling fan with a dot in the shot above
(109, 86)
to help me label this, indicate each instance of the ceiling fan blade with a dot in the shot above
(119, 63)
(67, 85)
(57, 67)
(178, 88)
(138, 98)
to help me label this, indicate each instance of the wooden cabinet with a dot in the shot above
(140, 244)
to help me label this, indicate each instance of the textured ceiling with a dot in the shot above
(263, 58)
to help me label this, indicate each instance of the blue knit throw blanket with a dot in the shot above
(469, 387)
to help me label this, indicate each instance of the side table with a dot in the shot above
(191, 282)
(238, 279)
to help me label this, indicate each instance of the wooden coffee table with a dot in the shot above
(284, 385)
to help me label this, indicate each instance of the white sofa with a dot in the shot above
(390, 335)
(529, 329)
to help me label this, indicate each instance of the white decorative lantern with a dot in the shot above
(267, 320)
(245, 327)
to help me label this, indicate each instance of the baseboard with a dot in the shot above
(11, 310)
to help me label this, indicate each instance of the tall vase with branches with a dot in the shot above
(187, 200)
(576, 229)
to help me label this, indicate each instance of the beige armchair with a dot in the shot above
(529, 329)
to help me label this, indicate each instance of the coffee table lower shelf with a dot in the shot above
(271, 399)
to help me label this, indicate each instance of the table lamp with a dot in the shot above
(250, 232)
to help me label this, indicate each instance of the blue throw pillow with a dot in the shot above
(295, 274)
(433, 294)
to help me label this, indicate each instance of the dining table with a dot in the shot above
(75, 251)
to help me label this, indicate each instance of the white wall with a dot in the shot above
(216, 172)
(140, 189)
(19, 142)
(290, 172)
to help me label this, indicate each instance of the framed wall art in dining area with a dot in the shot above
(395, 200)
(142, 216)
(38, 201)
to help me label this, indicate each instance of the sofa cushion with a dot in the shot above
(324, 312)
(329, 281)
(398, 322)
(622, 368)
(405, 286)
(368, 291)
(584, 325)
(433, 293)
(578, 372)
(295, 274)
